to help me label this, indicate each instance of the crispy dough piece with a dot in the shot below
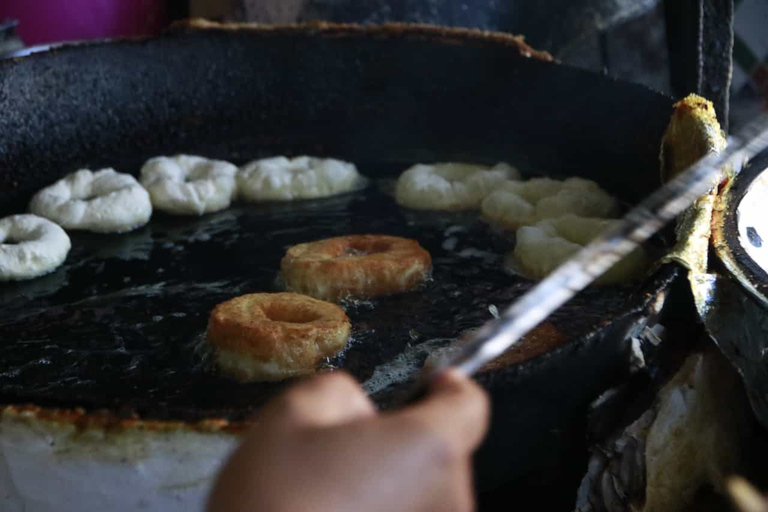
(693, 131)
(274, 336)
(355, 266)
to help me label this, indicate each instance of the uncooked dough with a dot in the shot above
(30, 246)
(303, 177)
(189, 185)
(524, 203)
(450, 186)
(543, 247)
(104, 201)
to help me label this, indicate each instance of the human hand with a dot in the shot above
(323, 447)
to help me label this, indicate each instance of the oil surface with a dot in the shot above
(121, 325)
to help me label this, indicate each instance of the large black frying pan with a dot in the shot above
(119, 326)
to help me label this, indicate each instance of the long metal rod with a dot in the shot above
(498, 335)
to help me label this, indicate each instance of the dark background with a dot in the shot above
(672, 46)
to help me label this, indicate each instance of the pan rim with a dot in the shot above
(445, 35)
(438, 33)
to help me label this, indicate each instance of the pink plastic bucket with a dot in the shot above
(50, 21)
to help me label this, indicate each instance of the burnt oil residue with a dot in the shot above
(121, 325)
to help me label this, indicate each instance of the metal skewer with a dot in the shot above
(642, 222)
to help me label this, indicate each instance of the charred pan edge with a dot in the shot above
(107, 421)
(439, 33)
(725, 231)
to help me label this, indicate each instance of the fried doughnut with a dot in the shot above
(189, 185)
(450, 186)
(103, 201)
(304, 177)
(524, 203)
(355, 266)
(275, 336)
(30, 246)
(543, 247)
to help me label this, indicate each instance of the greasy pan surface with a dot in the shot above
(118, 326)
(122, 324)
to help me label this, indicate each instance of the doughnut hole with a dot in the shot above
(9, 240)
(275, 336)
(367, 247)
(456, 172)
(196, 173)
(286, 314)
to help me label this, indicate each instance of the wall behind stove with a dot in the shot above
(625, 38)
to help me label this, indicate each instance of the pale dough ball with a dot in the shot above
(450, 186)
(30, 246)
(189, 185)
(543, 247)
(303, 177)
(104, 201)
(523, 203)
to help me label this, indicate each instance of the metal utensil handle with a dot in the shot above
(498, 335)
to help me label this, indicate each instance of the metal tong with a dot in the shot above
(642, 222)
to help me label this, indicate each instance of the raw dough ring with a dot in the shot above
(104, 201)
(524, 203)
(303, 177)
(275, 336)
(189, 185)
(541, 248)
(355, 266)
(450, 186)
(39, 247)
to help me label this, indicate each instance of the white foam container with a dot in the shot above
(66, 460)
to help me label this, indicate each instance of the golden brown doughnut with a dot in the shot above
(274, 336)
(355, 266)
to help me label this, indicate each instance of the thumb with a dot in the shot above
(456, 408)
(321, 401)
